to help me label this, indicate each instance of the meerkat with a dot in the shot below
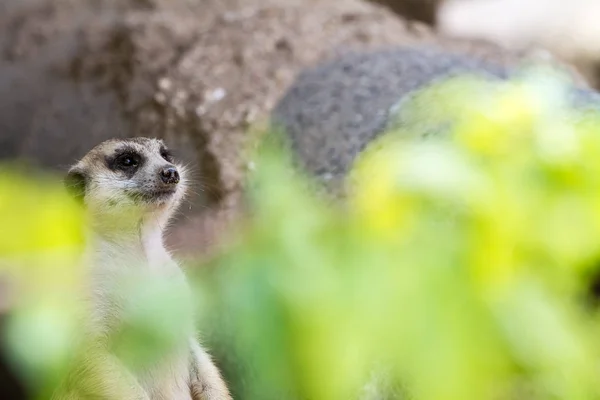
(130, 188)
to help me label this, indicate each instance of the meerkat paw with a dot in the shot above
(206, 391)
(206, 382)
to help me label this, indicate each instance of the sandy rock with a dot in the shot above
(212, 81)
(195, 72)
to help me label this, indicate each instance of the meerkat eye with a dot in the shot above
(127, 161)
(166, 155)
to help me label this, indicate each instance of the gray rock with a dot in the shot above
(334, 110)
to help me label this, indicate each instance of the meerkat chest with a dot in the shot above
(128, 287)
(128, 283)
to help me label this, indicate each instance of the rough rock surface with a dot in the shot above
(334, 110)
(195, 72)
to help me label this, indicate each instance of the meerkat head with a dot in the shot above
(122, 180)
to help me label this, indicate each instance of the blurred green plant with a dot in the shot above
(457, 268)
(40, 241)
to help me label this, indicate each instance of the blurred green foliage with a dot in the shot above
(458, 267)
(41, 239)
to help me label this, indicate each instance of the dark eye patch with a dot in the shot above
(125, 160)
(166, 154)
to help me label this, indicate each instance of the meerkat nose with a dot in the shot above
(170, 175)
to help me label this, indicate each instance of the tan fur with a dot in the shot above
(127, 219)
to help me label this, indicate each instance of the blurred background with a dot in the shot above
(197, 73)
(200, 73)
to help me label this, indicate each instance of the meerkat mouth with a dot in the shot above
(153, 196)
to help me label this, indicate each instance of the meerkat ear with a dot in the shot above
(75, 182)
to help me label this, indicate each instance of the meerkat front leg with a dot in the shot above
(206, 382)
(103, 377)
